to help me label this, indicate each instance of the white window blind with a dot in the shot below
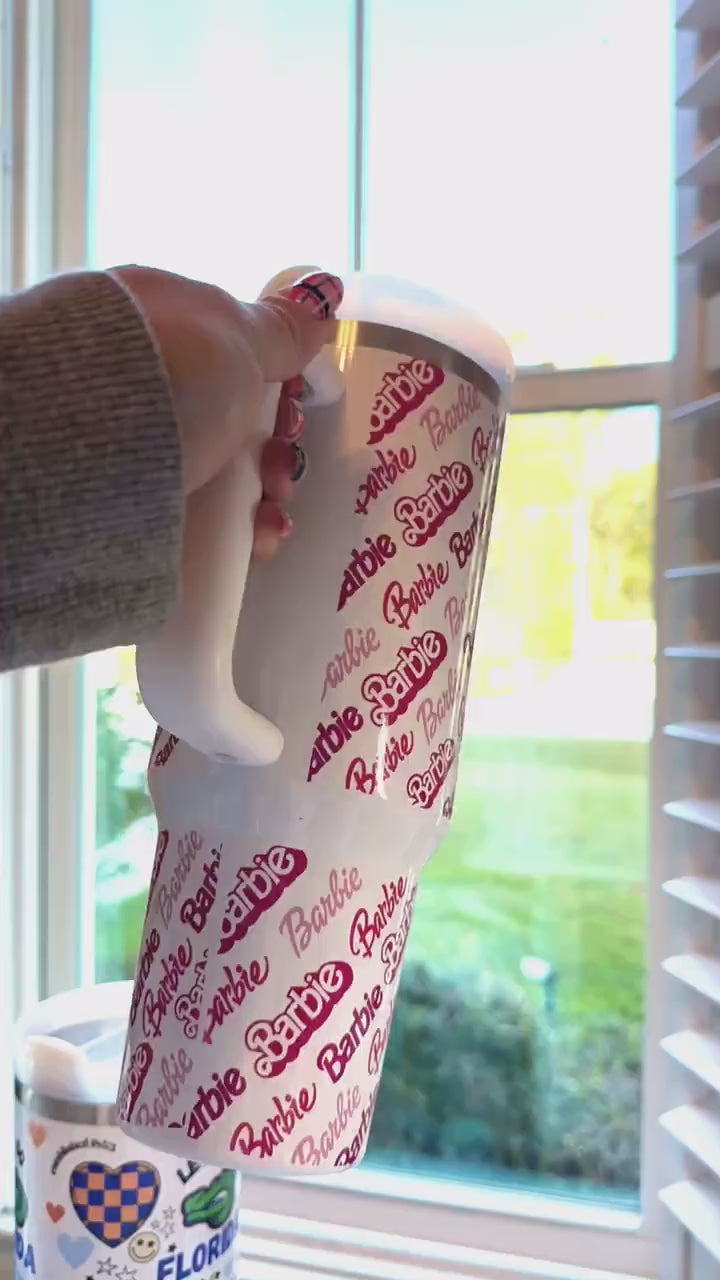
(689, 703)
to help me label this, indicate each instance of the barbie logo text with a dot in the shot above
(383, 475)
(441, 425)
(423, 788)
(366, 929)
(278, 1041)
(364, 778)
(134, 1078)
(403, 389)
(421, 517)
(364, 564)
(258, 888)
(391, 692)
(356, 650)
(403, 602)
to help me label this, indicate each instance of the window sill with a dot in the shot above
(498, 1233)
(275, 1247)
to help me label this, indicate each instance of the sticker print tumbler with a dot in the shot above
(312, 712)
(89, 1200)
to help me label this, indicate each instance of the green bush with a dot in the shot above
(476, 1075)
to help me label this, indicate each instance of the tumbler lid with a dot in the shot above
(395, 303)
(70, 1047)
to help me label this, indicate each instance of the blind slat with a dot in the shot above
(699, 813)
(698, 1131)
(697, 1207)
(701, 973)
(707, 731)
(701, 892)
(698, 1052)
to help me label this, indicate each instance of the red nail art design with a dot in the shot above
(319, 291)
(295, 387)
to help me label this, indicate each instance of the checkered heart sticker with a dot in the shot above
(114, 1203)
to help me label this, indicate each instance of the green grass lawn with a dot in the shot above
(545, 856)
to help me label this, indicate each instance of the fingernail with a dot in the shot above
(300, 463)
(296, 421)
(319, 292)
(295, 388)
(287, 526)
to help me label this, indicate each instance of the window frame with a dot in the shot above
(49, 718)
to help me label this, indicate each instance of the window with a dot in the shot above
(434, 140)
(507, 166)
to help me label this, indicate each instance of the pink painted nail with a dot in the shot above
(319, 291)
(287, 526)
(296, 421)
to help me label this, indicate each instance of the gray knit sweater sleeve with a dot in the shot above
(90, 472)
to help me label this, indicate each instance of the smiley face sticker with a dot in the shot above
(144, 1247)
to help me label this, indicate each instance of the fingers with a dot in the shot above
(286, 332)
(283, 463)
(272, 526)
(290, 420)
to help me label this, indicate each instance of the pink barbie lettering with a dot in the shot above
(174, 1069)
(187, 1005)
(133, 1079)
(383, 475)
(240, 982)
(300, 927)
(390, 693)
(424, 788)
(145, 964)
(157, 1003)
(378, 1045)
(455, 615)
(434, 712)
(277, 1127)
(351, 1153)
(403, 601)
(358, 646)
(440, 425)
(213, 1100)
(310, 1150)
(278, 1041)
(403, 389)
(421, 517)
(393, 947)
(196, 909)
(462, 544)
(257, 889)
(188, 847)
(335, 1058)
(482, 443)
(364, 564)
(366, 928)
(364, 777)
(332, 737)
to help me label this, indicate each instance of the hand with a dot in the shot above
(219, 354)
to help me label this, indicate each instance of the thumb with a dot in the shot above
(286, 330)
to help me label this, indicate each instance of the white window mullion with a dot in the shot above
(612, 387)
(61, 71)
(358, 62)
